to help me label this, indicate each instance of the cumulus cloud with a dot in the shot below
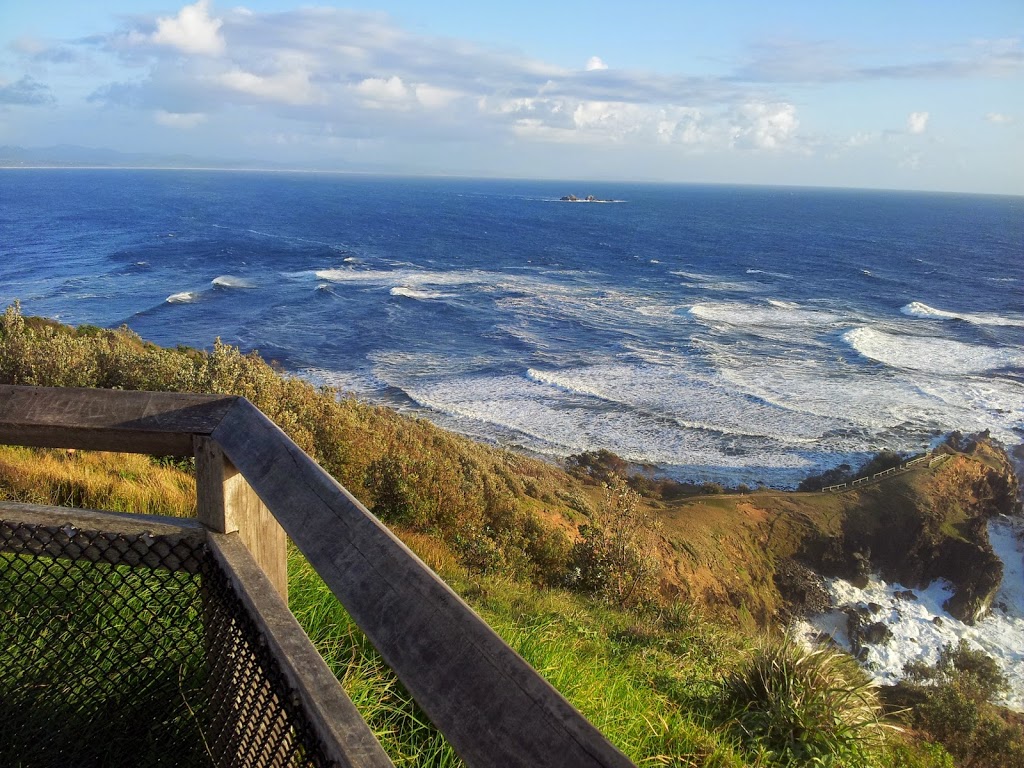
(383, 92)
(753, 125)
(999, 118)
(193, 30)
(917, 122)
(286, 81)
(360, 75)
(768, 126)
(25, 92)
(179, 119)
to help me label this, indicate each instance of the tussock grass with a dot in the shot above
(804, 707)
(118, 482)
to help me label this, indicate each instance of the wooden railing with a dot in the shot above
(494, 709)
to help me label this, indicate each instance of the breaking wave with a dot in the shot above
(918, 309)
(229, 281)
(930, 354)
(185, 297)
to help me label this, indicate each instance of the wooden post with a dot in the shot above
(226, 503)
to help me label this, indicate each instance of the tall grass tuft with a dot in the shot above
(804, 707)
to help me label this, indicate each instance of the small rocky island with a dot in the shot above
(587, 199)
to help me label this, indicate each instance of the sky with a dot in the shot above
(898, 94)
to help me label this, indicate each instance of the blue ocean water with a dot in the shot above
(723, 333)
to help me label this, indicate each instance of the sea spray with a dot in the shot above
(919, 625)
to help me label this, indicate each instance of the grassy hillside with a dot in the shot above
(605, 592)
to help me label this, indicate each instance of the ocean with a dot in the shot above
(720, 333)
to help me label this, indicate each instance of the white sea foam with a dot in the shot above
(694, 276)
(929, 353)
(543, 419)
(690, 398)
(413, 293)
(185, 297)
(782, 275)
(409, 278)
(918, 309)
(777, 314)
(361, 382)
(229, 281)
(889, 408)
(916, 635)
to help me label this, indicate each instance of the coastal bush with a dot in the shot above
(615, 555)
(409, 472)
(804, 707)
(836, 476)
(952, 701)
(880, 462)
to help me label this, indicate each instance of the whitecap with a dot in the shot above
(185, 297)
(919, 309)
(929, 353)
(695, 276)
(229, 281)
(558, 425)
(410, 278)
(412, 293)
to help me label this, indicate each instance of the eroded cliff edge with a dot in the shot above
(758, 555)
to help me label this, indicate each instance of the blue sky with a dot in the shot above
(912, 95)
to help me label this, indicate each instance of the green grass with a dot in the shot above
(89, 653)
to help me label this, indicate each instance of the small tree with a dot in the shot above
(616, 554)
(952, 701)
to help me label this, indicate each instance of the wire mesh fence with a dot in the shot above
(134, 650)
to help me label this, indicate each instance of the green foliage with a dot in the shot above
(412, 472)
(804, 707)
(616, 554)
(601, 466)
(841, 474)
(952, 702)
(880, 462)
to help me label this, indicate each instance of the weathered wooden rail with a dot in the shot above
(253, 481)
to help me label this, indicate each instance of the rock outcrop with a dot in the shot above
(914, 531)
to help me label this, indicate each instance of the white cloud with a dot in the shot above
(999, 118)
(179, 119)
(917, 122)
(754, 125)
(432, 97)
(290, 84)
(766, 126)
(595, 63)
(191, 31)
(387, 93)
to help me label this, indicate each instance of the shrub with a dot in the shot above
(841, 474)
(803, 707)
(601, 466)
(616, 554)
(952, 701)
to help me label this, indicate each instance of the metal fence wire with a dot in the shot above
(135, 650)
